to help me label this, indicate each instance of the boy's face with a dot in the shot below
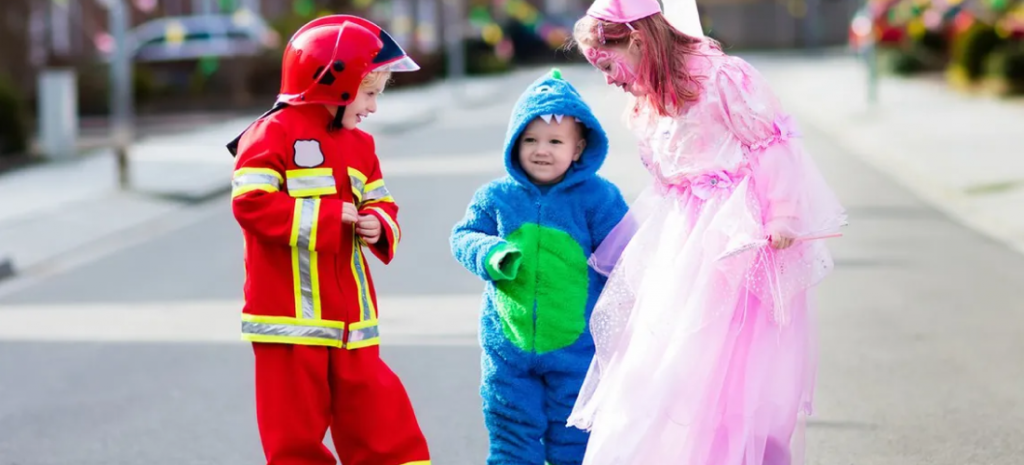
(546, 150)
(364, 104)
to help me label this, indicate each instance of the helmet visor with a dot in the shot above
(391, 56)
(401, 65)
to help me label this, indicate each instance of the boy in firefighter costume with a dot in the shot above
(309, 196)
(528, 236)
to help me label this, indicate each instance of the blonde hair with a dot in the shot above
(663, 54)
(375, 78)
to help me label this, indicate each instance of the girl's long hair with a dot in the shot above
(663, 55)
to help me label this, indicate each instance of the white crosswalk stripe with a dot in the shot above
(418, 320)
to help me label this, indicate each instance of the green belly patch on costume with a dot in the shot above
(553, 278)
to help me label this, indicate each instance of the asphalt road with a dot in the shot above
(133, 358)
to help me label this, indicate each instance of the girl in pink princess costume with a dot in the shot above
(704, 331)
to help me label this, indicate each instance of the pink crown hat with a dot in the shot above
(682, 14)
(623, 11)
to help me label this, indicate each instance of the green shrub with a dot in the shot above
(899, 61)
(971, 49)
(1006, 64)
(481, 59)
(14, 131)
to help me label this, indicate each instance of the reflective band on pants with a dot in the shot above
(270, 329)
(364, 334)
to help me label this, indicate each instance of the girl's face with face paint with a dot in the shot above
(618, 65)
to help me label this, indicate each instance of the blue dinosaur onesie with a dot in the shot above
(530, 244)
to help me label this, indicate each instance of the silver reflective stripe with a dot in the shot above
(302, 249)
(357, 260)
(363, 334)
(255, 179)
(397, 233)
(311, 182)
(268, 329)
(357, 184)
(376, 194)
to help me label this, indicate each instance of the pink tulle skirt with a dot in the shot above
(704, 357)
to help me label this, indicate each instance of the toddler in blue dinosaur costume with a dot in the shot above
(528, 236)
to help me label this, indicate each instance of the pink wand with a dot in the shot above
(766, 241)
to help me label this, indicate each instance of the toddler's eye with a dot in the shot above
(529, 140)
(556, 141)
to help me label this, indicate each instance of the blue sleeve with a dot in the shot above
(478, 247)
(608, 209)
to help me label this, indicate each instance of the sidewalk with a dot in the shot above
(51, 209)
(963, 154)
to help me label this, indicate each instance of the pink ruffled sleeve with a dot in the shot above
(794, 194)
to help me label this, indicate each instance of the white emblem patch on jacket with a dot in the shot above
(308, 154)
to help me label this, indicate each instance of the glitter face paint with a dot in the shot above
(617, 71)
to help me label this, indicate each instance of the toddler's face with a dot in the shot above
(547, 149)
(364, 104)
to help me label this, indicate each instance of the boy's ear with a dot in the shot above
(580, 147)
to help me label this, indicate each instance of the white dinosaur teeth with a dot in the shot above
(546, 118)
(559, 118)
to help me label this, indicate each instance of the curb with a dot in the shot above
(191, 198)
(954, 203)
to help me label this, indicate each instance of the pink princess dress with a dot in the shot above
(705, 351)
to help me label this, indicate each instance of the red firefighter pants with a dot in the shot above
(301, 391)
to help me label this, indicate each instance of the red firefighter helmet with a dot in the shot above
(327, 59)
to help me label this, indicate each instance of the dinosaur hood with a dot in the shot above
(551, 96)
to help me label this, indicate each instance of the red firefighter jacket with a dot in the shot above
(307, 281)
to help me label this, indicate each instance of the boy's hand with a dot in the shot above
(368, 227)
(503, 262)
(349, 214)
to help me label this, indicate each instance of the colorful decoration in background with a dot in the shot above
(243, 17)
(504, 50)
(550, 31)
(304, 8)
(145, 6)
(426, 27)
(175, 33)
(482, 21)
(104, 42)
(978, 43)
(208, 65)
(893, 20)
(1010, 24)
